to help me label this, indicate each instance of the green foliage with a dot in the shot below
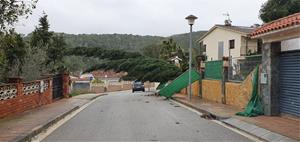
(182, 40)
(152, 50)
(11, 10)
(275, 9)
(56, 52)
(137, 66)
(80, 63)
(41, 36)
(129, 42)
(142, 68)
(14, 52)
(170, 49)
(111, 41)
(54, 45)
(102, 53)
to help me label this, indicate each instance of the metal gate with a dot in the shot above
(289, 97)
(57, 86)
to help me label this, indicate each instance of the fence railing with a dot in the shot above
(8, 91)
(240, 67)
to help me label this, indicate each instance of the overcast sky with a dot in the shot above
(142, 17)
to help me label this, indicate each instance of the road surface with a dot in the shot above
(125, 116)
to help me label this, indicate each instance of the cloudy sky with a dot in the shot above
(143, 17)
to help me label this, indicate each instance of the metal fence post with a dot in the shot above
(224, 79)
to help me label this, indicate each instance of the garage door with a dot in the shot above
(289, 97)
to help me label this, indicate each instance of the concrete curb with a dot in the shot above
(256, 131)
(39, 129)
(253, 130)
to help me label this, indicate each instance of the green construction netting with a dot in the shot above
(179, 83)
(161, 85)
(254, 106)
(213, 70)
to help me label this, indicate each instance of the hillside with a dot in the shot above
(116, 41)
(126, 41)
(183, 39)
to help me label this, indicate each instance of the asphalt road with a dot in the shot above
(135, 117)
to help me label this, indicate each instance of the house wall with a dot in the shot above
(212, 90)
(290, 45)
(248, 44)
(217, 35)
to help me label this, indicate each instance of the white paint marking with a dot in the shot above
(41, 136)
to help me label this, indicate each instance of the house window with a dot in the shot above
(204, 48)
(231, 44)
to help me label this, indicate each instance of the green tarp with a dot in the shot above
(179, 83)
(213, 70)
(254, 107)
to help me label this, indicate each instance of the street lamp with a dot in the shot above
(191, 19)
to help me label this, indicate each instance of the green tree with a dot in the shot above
(275, 9)
(141, 68)
(169, 49)
(136, 65)
(55, 53)
(41, 36)
(152, 50)
(14, 52)
(11, 10)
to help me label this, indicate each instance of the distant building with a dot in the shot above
(224, 40)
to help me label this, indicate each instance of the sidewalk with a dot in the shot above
(265, 127)
(23, 126)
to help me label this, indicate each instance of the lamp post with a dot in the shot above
(191, 19)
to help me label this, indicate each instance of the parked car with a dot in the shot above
(138, 86)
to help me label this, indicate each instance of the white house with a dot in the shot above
(227, 40)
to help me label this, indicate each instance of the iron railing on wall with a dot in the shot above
(240, 67)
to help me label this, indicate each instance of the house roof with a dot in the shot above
(280, 24)
(245, 31)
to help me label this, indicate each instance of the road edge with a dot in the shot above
(218, 120)
(40, 129)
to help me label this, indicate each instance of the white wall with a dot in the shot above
(289, 45)
(218, 35)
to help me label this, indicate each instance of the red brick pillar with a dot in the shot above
(66, 85)
(19, 84)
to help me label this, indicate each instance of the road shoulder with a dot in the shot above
(25, 126)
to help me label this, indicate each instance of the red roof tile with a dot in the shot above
(281, 23)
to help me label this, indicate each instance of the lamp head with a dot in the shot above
(191, 19)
